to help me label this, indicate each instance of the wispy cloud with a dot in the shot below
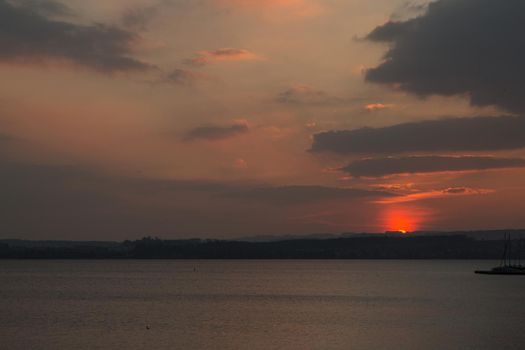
(43, 7)
(454, 134)
(278, 9)
(372, 107)
(302, 94)
(301, 194)
(139, 18)
(216, 132)
(418, 196)
(379, 167)
(184, 77)
(203, 58)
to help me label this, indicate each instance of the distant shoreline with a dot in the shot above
(376, 247)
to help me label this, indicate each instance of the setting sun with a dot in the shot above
(403, 219)
(401, 223)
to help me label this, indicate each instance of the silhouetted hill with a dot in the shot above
(387, 246)
(481, 235)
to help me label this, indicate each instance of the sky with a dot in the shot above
(234, 118)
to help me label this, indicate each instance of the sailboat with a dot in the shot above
(507, 266)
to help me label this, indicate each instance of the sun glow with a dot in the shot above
(403, 219)
(401, 222)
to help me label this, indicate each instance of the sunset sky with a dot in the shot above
(233, 118)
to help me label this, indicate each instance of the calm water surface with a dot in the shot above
(259, 305)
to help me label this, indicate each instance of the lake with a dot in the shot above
(170, 304)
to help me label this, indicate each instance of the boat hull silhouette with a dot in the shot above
(507, 265)
(504, 270)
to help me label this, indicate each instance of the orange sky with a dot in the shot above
(227, 94)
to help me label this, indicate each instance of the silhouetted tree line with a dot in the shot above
(371, 247)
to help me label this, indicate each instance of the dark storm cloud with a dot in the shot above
(215, 132)
(28, 35)
(378, 167)
(455, 134)
(467, 47)
(302, 194)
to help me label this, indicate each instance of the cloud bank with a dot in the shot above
(378, 167)
(302, 194)
(71, 202)
(28, 35)
(451, 135)
(458, 47)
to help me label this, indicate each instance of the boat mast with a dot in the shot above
(503, 261)
(509, 253)
(519, 252)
